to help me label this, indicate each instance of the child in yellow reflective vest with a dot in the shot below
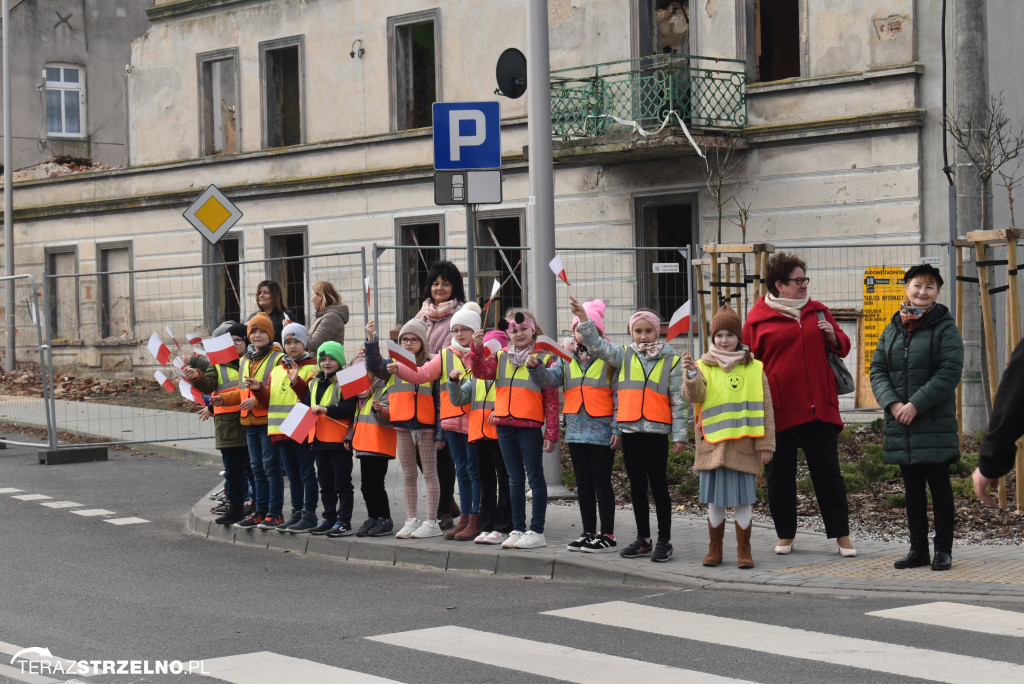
(735, 431)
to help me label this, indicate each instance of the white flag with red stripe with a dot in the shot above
(171, 335)
(164, 381)
(366, 284)
(494, 291)
(220, 349)
(158, 349)
(353, 380)
(401, 355)
(178, 363)
(680, 322)
(558, 268)
(299, 421)
(545, 343)
(491, 347)
(193, 338)
(190, 392)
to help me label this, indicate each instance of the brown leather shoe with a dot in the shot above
(471, 530)
(717, 534)
(445, 522)
(463, 521)
(743, 558)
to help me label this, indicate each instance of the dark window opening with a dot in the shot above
(413, 264)
(284, 110)
(62, 307)
(672, 30)
(663, 278)
(290, 273)
(219, 106)
(778, 39)
(223, 283)
(494, 263)
(415, 74)
(115, 292)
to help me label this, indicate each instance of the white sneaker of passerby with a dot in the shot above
(512, 540)
(479, 539)
(410, 526)
(429, 528)
(531, 540)
(494, 538)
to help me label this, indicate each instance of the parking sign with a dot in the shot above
(467, 135)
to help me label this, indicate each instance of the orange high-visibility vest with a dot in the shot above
(642, 395)
(449, 361)
(372, 434)
(327, 429)
(516, 395)
(407, 401)
(590, 391)
(480, 410)
(267, 364)
(227, 380)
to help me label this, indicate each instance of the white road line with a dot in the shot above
(93, 512)
(547, 660)
(16, 674)
(265, 667)
(125, 521)
(797, 643)
(10, 490)
(60, 504)
(32, 497)
(960, 616)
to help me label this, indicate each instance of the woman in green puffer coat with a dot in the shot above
(914, 373)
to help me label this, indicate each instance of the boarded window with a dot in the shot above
(282, 76)
(62, 307)
(221, 283)
(218, 78)
(115, 295)
(412, 264)
(414, 69)
(778, 39)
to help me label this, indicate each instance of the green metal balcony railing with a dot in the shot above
(704, 92)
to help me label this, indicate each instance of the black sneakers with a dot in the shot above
(322, 528)
(578, 543)
(364, 529)
(662, 552)
(602, 543)
(638, 548)
(340, 529)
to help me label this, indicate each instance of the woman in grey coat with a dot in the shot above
(330, 318)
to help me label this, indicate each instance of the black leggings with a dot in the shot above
(936, 476)
(495, 504)
(372, 471)
(646, 457)
(592, 464)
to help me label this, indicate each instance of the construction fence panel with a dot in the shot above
(22, 391)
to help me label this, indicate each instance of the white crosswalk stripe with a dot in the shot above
(31, 497)
(264, 667)
(959, 616)
(125, 521)
(94, 512)
(548, 660)
(797, 643)
(9, 490)
(61, 504)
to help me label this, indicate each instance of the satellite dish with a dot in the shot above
(511, 74)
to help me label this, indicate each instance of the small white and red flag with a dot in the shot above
(220, 349)
(158, 349)
(366, 286)
(491, 347)
(286, 320)
(558, 268)
(400, 355)
(178, 363)
(494, 291)
(353, 380)
(299, 421)
(545, 343)
(190, 392)
(164, 381)
(193, 338)
(680, 322)
(198, 352)
(171, 335)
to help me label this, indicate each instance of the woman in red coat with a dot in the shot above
(785, 333)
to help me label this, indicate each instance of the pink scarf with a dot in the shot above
(436, 312)
(726, 360)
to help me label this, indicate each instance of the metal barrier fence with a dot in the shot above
(23, 399)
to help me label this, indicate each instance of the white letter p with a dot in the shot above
(458, 141)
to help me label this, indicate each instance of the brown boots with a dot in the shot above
(470, 531)
(463, 521)
(716, 534)
(743, 558)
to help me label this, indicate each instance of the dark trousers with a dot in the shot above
(298, 463)
(372, 471)
(445, 478)
(334, 473)
(646, 457)
(236, 484)
(936, 477)
(592, 464)
(495, 504)
(821, 450)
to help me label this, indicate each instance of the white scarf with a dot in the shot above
(789, 307)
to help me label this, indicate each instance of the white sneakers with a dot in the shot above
(410, 526)
(531, 540)
(512, 540)
(429, 528)
(490, 537)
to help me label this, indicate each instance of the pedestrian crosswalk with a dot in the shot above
(959, 616)
(72, 507)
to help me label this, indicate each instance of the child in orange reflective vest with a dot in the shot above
(649, 410)
(735, 431)
(374, 443)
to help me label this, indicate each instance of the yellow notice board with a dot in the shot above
(883, 293)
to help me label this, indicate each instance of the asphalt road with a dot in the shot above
(91, 590)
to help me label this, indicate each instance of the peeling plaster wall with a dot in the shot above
(845, 37)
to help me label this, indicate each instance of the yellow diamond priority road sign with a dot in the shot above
(212, 214)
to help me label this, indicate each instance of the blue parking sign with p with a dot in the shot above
(467, 135)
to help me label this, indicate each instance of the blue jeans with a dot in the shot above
(266, 470)
(465, 472)
(523, 447)
(298, 466)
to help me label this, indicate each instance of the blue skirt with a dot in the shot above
(725, 487)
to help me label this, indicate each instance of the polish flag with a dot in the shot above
(353, 380)
(178, 363)
(196, 351)
(286, 320)
(545, 343)
(299, 421)
(171, 335)
(680, 322)
(158, 349)
(491, 347)
(366, 284)
(220, 349)
(193, 338)
(164, 382)
(400, 355)
(494, 290)
(190, 392)
(558, 269)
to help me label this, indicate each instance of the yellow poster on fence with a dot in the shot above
(883, 293)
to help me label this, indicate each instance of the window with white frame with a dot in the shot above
(65, 100)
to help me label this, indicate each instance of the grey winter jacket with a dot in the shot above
(329, 324)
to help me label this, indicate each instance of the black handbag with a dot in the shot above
(844, 379)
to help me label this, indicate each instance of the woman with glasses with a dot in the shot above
(790, 334)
